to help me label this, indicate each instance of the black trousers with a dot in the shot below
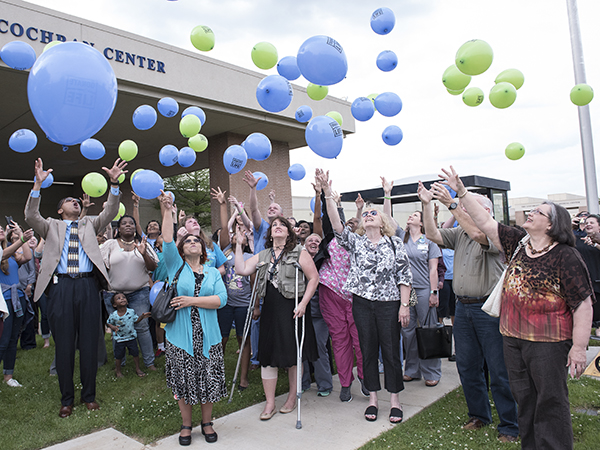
(377, 325)
(74, 307)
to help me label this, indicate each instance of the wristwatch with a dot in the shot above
(435, 292)
(405, 304)
(452, 206)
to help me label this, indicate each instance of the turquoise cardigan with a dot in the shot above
(179, 332)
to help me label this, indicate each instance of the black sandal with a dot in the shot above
(371, 411)
(185, 440)
(212, 437)
(396, 413)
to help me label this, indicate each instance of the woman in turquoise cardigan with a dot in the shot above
(195, 368)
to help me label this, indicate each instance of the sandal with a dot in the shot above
(185, 440)
(371, 411)
(432, 383)
(396, 415)
(212, 437)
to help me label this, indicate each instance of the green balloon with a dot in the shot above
(121, 212)
(335, 116)
(121, 178)
(582, 94)
(503, 95)
(474, 57)
(128, 150)
(455, 91)
(198, 142)
(317, 92)
(514, 151)
(134, 173)
(189, 126)
(512, 76)
(454, 79)
(94, 184)
(473, 96)
(50, 45)
(373, 97)
(203, 38)
(264, 55)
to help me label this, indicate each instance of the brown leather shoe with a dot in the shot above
(504, 438)
(65, 411)
(474, 424)
(92, 406)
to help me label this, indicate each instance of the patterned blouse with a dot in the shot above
(375, 271)
(540, 294)
(334, 271)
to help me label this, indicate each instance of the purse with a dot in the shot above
(434, 340)
(162, 311)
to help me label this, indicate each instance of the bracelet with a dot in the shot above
(22, 240)
(387, 198)
(329, 196)
(461, 196)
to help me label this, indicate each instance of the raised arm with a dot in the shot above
(431, 231)
(11, 250)
(112, 204)
(136, 213)
(317, 224)
(253, 200)
(166, 209)
(85, 205)
(32, 208)
(387, 196)
(219, 195)
(239, 207)
(332, 211)
(243, 268)
(360, 204)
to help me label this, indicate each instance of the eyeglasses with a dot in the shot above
(192, 241)
(369, 213)
(538, 211)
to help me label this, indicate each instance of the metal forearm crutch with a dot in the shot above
(247, 325)
(299, 345)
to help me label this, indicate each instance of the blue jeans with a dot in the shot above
(478, 339)
(10, 336)
(139, 301)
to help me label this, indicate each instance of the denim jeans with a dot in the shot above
(10, 336)
(478, 339)
(139, 301)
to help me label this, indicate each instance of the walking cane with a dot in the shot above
(299, 345)
(247, 325)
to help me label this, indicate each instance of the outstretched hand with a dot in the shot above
(441, 193)
(451, 179)
(116, 170)
(40, 173)
(387, 186)
(425, 195)
(323, 179)
(218, 195)
(250, 180)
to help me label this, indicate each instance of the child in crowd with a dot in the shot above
(121, 322)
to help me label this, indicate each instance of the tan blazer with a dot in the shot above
(54, 232)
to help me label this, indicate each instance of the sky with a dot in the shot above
(439, 129)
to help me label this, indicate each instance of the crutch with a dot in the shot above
(247, 325)
(299, 345)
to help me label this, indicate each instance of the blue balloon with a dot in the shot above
(47, 182)
(263, 182)
(451, 191)
(234, 158)
(72, 92)
(168, 155)
(195, 110)
(22, 141)
(388, 104)
(383, 20)
(312, 204)
(322, 61)
(387, 60)
(296, 172)
(171, 194)
(287, 67)
(362, 109)
(274, 93)
(392, 135)
(92, 149)
(324, 136)
(18, 55)
(144, 117)
(257, 146)
(156, 288)
(146, 183)
(187, 157)
(168, 107)
(304, 114)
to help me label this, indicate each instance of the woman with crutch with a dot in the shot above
(276, 284)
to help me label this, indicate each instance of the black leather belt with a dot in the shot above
(471, 300)
(75, 275)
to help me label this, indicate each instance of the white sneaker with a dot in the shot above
(14, 383)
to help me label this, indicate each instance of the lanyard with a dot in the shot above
(275, 262)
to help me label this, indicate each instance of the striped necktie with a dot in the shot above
(73, 254)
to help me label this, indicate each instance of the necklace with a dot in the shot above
(126, 242)
(535, 252)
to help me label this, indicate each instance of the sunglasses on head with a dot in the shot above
(369, 213)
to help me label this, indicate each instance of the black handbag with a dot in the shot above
(434, 340)
(162, 311)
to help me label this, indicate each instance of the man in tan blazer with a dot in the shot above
(70, 272)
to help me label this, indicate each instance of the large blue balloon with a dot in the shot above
(362, 109)
(263, 182)
(392, 135)
(234, 158)
(387, 61)
(287, 67)
(156, 288)
(296, 172)
(274, 93)
(383, 20)
(322, 61)
(168, 155)
(47, 182)
(18, 55)
(304, 114)
(258, 146)
(72, 92)
(195, 110)
(22, 141)
(388, 104)
(144, 117)
(168, 106)
(92, 149)
(146, 183)
(187, 157)
(324, 136)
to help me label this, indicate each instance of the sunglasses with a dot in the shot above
(369, 213)
(192, 241)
